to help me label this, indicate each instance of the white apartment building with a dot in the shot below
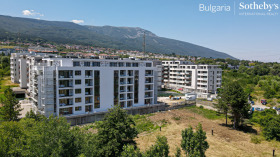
(190, 77)
(67, 86)
(20, 63)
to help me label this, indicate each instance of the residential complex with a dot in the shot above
(189, 77)
(72, 86)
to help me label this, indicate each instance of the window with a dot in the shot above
(89, 108)
(76, 64)
(113, 64)
(148, 64)
(135, 65)
(86, 64)
(78, 73)
(78, 82)
(121, 64)
(78, 108)
(128, 64)
(96, 64)
(77, 100)
(78, 91)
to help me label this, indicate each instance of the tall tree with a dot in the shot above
(160, 149)
(194, 143)
(116, 130)
(234, 100)
(10, 110)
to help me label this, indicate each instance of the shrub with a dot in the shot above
(255, 139)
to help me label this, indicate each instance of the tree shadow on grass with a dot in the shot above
(243, 128)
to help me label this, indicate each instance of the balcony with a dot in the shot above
(122, 83)
(65, 104)
(88, 76)
(65, 74)
(148, 81)
(88, 100)
(122, 90)
(203, 74)
(88, 82)
(88, 93)
(149, 75)
(122, 98)
(128, 98)
(66, 95)
(65, 86)
(147, 89)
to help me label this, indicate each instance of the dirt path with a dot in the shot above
(225, 142)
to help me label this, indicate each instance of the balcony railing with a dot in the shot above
(63, 104)
(88, 93)
(89, 101)
(65, 86)
(62, 76)
(88, 76)
(89, 84)
(148, 81)
(65, 95)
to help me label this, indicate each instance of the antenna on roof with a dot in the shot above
(144, 42)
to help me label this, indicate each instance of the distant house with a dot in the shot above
(105, 56)
(41, 49)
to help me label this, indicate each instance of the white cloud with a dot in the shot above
(78, 21)
(31, 13)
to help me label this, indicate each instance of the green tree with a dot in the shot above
(129, 151)
(234, 99)
(271, 129)
(194, 144)
(160, 149)
(116, 130)
(10, 110)
(31, 114)
(12, 139)
(200, 137)
(50, 137)
(178, 152)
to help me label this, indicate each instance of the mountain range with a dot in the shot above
(123, 38)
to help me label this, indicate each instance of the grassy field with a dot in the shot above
(6, 82)
(225, 142)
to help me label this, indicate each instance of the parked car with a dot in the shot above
(259, 109)
(263, 101)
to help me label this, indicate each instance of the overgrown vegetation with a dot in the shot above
(36, 135)
(269, 122)
(209, 114)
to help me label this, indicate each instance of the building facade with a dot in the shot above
(67, 86)
(189, 77)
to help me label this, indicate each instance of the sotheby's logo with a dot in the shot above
(244, 8)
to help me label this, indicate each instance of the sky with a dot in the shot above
(252, 37)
